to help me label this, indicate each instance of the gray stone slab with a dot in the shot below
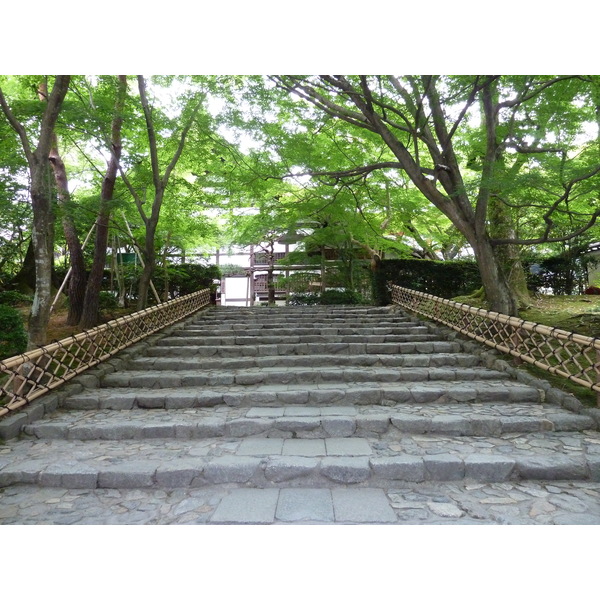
(553, 466)
(286, 468)
(157, 430)
(297, 423)
(485, 426)
(133, 474)
(520, 424)
(179, 474)
(486, 467)
(302, 411)
(231, 469)
(345, 411)
(247, 506)
(362, 506)
(244, 427)
(572, 422)
(69, 474)
(265, 411)
(594, 467)
(373, 423)
(304, 447)
(347, 447)
(450, 425)
(411, 423)
(260, 447)
(346, 469)
(299, 504)
(443, 467)
(338, 426)
(402, 468)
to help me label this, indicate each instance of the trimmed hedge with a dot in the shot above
(328, 297)
(444, 278)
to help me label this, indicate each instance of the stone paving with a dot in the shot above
(307, 416)
(456, 503)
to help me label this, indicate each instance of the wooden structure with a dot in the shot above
(28, 376)
(564, 353)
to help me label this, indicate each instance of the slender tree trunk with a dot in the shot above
(77, 280)
(91, 308)
(160, 183)
(76, 289)
(41, 192)
(119, 274)
(166, 268)
(42, 237)
(270, 277)
(149, 263)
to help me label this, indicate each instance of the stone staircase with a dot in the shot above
(307, 414)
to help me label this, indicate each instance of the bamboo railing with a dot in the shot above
(570, 355)
(28, 376)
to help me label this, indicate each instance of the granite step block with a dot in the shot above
(319, 394)
(321, 338)
(274, 375)
(161, 363)
(308, 468)
(289, 349)
(281, 422)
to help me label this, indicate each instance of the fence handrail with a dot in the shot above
(518, 337)
(33, 373)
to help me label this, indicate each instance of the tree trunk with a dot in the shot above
(42, 237)
(160, 184)
(149, 254)
(496, 287)
(91, 308)
(509, 256)
(77, 279)
(24, 280)
(41, 192)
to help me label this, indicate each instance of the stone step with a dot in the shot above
(298, 310)
(294, 375)
(193, 339)
(287, 349)
(318, 394)
(295, 312)
(308, 422)
(287, 321)
(161, 363)
(269, 462)
(265, 330)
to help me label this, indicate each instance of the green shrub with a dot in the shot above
(108, 301)
(328, 297)
(444, 278)
(13, 339)
(341, 297)
(307, 299)
(14, 298)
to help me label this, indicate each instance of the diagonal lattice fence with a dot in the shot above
(25, 377)
(570, 355)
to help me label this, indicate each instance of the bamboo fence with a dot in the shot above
(563, 353)
(28, 376)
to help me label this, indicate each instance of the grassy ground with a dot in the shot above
(580, 314)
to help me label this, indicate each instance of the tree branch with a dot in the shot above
(18, 127)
